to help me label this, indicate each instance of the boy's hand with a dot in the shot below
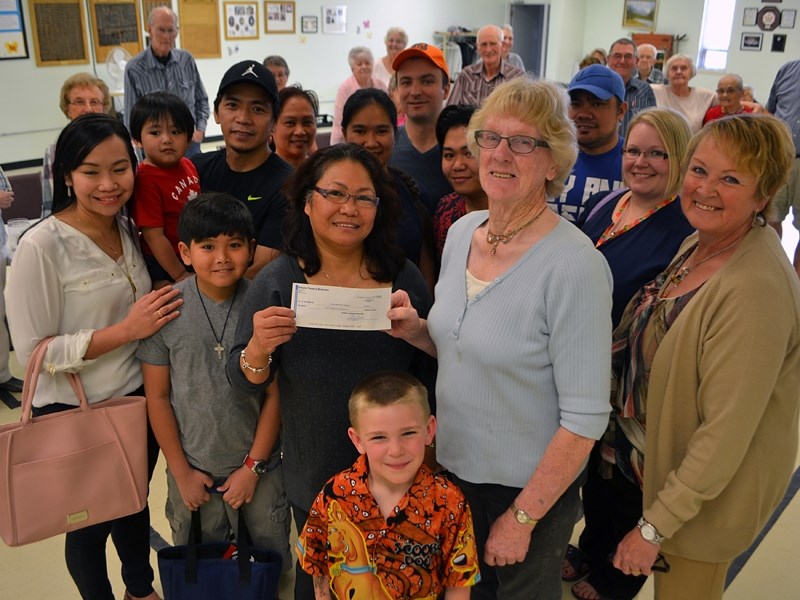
(239, 487)
(192, 486)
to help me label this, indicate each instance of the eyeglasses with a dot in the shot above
(635, 153)
(728, 90)
(84, 103)
(165, 31)
(340, 197)
(519, 144)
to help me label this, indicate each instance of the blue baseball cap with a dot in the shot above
(600, 81)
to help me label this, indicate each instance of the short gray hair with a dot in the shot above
(650, 46)
(358, 51)
(684, 57)
(735, 77)
(158, 9)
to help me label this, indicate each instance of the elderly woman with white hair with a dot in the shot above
(362, 64)
(396, 41)
(677, 94)
(521, 327)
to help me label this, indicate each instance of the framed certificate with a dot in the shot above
(279, 17)
(241, 20)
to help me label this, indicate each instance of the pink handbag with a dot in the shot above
(68, 470)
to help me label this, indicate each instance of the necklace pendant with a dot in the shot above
(219, 349)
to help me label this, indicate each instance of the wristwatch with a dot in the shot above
(521, 516)
(259, 467)
(649, 532)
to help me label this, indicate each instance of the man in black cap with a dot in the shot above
(245, 109)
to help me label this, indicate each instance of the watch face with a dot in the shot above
(260, 467)
(648, 532)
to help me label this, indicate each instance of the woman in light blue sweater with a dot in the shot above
(521, 327)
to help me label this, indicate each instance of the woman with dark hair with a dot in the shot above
(79, 276)
(340, 232)
(295, 131)
(369, 119)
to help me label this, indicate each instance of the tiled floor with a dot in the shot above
(38, 571)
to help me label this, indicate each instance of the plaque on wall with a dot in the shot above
(115, 23)
(59, 35)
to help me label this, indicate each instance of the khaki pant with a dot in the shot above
(691, 580)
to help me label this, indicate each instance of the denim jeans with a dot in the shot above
(539, 575)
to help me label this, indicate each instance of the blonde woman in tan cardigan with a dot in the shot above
(718, 332)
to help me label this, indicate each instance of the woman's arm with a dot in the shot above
(407, 325)
(561, 464)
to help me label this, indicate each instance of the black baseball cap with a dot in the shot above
(250, 71)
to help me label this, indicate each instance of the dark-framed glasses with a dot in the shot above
(728, 90)
(654, 155)
(519, 144)
(340, 197)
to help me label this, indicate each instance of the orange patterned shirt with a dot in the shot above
(427, 544)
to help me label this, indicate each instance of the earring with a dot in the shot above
(69, 191)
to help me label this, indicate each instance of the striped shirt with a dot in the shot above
(639, 95)
(473, 88)
(144, 74)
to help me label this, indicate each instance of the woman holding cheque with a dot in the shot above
(339, 232)
(522, 327)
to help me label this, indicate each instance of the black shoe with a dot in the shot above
(12, 385)
(9, 399)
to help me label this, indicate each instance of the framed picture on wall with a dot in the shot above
(749, 17)
(334, 19)
(13, 43)
(309, 24)
(640, 14)
(788, 18)
(752, 41)
(279, 17)
(241, 20)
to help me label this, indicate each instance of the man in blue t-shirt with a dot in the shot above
(597, 105)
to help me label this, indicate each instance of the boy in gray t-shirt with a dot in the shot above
(221, 444)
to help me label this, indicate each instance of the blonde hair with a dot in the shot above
(541, 104)
(385, 389)
(759, 144)
(675, 133)
(83, 80)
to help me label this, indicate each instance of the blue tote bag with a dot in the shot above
(219, 570)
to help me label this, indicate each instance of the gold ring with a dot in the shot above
(636, 573)
(160, 316)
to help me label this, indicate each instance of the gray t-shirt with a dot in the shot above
(216, 422)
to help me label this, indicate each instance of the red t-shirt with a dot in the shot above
(160, 195)
(715, 112)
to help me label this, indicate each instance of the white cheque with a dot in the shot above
(330, 307)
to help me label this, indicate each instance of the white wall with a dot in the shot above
(30, 118)
(678, 17)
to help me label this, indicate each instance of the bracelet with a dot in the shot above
(252, 369)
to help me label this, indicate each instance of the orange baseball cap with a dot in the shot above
(422, 50)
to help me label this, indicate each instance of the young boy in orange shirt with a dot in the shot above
(388, 527)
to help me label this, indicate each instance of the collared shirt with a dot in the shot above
(473, 88)
(144, 74)
(784, 99)
(639, 95)
(655, 76)
(426, 545)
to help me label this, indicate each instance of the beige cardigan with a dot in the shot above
(724, 392)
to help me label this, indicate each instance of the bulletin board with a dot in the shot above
(115, 23)
(59, 34)
(200, 30)
(13, 43)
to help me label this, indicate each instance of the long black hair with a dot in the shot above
(76, 142)
(384, 257)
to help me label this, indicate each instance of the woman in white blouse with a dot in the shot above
(677, 94)
(78, 275)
